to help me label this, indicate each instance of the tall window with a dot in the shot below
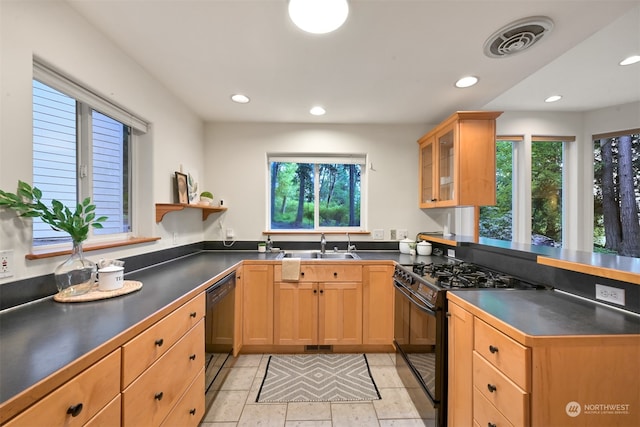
(496, 222)
(81, 148)
(315, 192)
(616, 189)
(546, 190)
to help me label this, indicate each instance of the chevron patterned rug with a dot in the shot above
(317, 378)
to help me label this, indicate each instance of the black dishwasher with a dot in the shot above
(219, 327)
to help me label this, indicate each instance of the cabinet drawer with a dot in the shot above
(148, 400)
(109, 416)
(485, 414)
(330, 273)
(190, 409)
(87, 393)
(509, 356)
(139, 353)
(504, 394)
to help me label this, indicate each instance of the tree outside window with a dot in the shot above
(496, 222)
(314, 194)
(616, 227)
(546, 192)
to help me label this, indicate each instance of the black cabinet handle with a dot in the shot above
(192, 411)
(75, 410)
(302, 273)
(315, 291)
(491, 388)
(335, 274)
(493, 349)
(322, 291)
(192, 357)
(158, 396)
(192, 314)
(159, 342)
(491, 425)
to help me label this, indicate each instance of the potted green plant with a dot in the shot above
(77, 274)
(206, 197)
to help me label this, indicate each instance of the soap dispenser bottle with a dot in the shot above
(269, 244)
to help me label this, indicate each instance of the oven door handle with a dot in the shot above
(400, 287)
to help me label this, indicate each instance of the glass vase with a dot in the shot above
(77, 275)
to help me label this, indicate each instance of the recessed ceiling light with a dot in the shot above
(630, 60)
(317, 111)
(318, 16)
(467, 81)
(553, 98)
(240, 98)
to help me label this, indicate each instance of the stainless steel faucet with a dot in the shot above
(349, 246)
(323, 244)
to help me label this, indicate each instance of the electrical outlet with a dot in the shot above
(230, 233)
(6, 263)
(610, 294)
(402, 233)
(175, 238)
(392, 234)
(451, 253)
(378, 234)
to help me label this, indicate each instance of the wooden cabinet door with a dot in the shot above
(377, 304)
(340, 307)
(427, 172)
(257, 289)
(460, 380)
(295, 313)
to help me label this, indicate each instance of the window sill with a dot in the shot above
(291, 232)
(92, 247)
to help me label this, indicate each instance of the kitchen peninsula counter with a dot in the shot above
(532, 315)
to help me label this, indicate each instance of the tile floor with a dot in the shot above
(231, 401)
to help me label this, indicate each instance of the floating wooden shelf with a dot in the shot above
(163, 208)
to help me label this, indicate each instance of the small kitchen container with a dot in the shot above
(405, 246)
(424, 248)
(110, 278)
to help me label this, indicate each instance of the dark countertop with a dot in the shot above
(546, 313)
(39, 338)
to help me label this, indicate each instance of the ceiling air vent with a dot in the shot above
(517, 36)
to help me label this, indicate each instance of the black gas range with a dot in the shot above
(420, 327)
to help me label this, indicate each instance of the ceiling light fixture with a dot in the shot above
(553, 98)
(630, 60)
(318, 16)
(240, 98)
(467, 81)
(317, 111)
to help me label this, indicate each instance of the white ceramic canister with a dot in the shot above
(424, 248)
(110, 278)
(404, 246)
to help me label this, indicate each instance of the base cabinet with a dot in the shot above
(377, 304)
(79, 401)
(323, 308)
(550, 382)
(257, 307)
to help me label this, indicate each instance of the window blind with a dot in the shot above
(50, 77)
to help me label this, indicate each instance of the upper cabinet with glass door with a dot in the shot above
(457, 162)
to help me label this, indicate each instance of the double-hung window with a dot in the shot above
(316, 192)
(81, 148)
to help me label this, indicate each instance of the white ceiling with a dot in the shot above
(393, 61)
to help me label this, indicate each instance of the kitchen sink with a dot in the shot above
(317, 255)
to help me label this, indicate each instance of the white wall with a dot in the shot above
(55, 33)
(235, 155)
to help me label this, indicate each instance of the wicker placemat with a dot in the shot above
(96, 294)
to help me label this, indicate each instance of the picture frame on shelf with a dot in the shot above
(182, 188)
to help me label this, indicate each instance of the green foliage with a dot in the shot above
(496, 221)
(293, 200)
(206, 194)
(26, 202)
